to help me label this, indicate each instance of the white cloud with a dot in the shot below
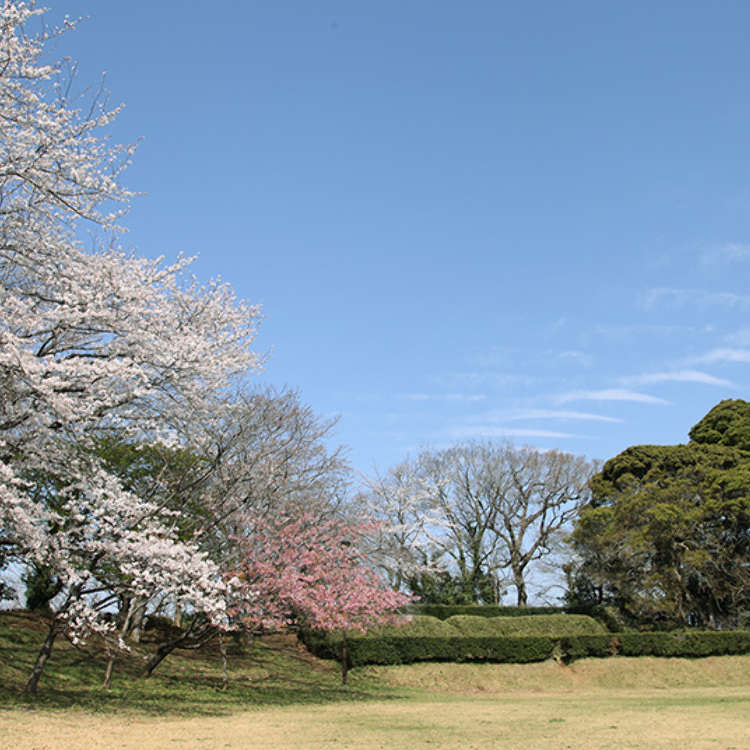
(680, 376)
(483, 378)
(627, 333)
(458, 397)
(726, 355)
(558, 414)
(730, 252)
(488, 431)
(692, 298)
(611, 394)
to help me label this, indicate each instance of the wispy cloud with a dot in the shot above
(725, 355)
(611, 394)
(490, 431)
(679, 298)
(456, 397)
(730, 252)
(572, 355)
(486, 378)
(680, 376)
(557, 414)
(627, 333)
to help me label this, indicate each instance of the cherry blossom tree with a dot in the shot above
(301, 570)
(92, 342)
(270, 457)
(401, 504)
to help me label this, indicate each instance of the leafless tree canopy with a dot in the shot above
(486, 511)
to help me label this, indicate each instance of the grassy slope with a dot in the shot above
(278, 672)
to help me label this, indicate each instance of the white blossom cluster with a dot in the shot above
(90, 343)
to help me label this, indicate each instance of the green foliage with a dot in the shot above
(170, 476)
(543, 625)
(421, 626)
(443, 612)
(42, 585)
(525, 649)
(395, 650)
(610, 617)
(691, 643)
(460, 638)
(666, 536)
(443, 588)
(728, 423)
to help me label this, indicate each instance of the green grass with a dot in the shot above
(276, 671)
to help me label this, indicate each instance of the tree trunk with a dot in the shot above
(223, 651)
(344, 661)
(161, 653)
(138, 616)
(124, 626)
(41, 659)
(108, 672)
(190, 638)
(521, 593)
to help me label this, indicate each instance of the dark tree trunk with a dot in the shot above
(191, 638)
(41, 659)
(160, 654)
(521, 593)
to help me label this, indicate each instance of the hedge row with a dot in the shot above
(512, 627)
(470, 626)
(520, 650)
(444, 611)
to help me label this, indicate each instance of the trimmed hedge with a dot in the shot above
(404, 650)
(546, 625)
(685, 643)
(418, 626)
(444, 611)
(521, 650)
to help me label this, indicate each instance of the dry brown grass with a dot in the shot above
(704, 719)
(640, 673)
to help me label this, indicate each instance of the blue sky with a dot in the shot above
(478, 220)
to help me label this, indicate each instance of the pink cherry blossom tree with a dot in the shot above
(302, 570)
(92, 342)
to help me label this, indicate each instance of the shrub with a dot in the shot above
(418, 626)
(395, 650)
(689, 643)
(523, 649)
(444, 611)
(543, 625)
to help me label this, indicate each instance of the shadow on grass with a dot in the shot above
(276, 672)
(182, 703)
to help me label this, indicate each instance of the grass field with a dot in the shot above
(680, 719)
(281, 698)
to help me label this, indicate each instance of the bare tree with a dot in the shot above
(498, 508)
